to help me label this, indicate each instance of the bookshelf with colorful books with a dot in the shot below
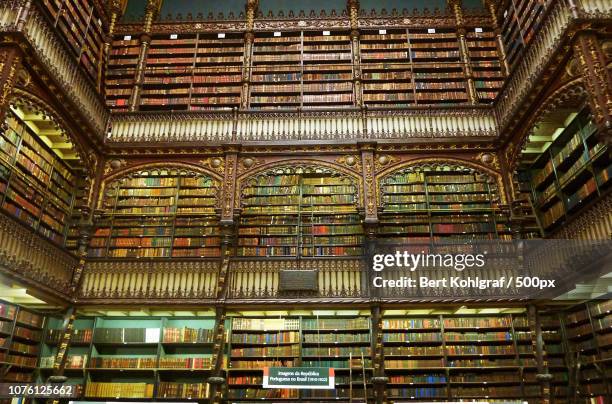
(485, 63)
(439, 76)
(276, 73)
(569, 173)
(149, 357)
(217, 74)
(20, 342)
(38, 186)
(257, 342)
(342, 343)
(327, 69)
(158, 213)
(192, 72)
(387, 73)
(421, 204)
(120, 72)
(80, 26)
(302, 215)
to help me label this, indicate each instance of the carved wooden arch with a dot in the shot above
(20, 96)
(296, 164)
(126, 172)
(569, 91)
(446, 162)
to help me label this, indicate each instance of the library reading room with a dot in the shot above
(313, 201)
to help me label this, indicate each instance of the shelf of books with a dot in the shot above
(20, 340)
(121, 71)
(420, 207)
(80, 26)
(193, 72)
(521, 21)
(588, 332)
(439, 76)
(574, 170)
(306, 215)
(327, 69)
(37, 186)
(485, 63)
(340, 343)
(136, 357)
(276, 73)
(158, 213)
(386, 70)
(439, 357)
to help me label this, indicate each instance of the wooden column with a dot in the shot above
(61, 357)
(249, 37)
(10, 64)
(216, 380)
(597, 81)
(353, 11)
(114, 11)
(543, 377)
(490, 6)
(369, 186)
(379, 380)
(151, 12)
(455, 6)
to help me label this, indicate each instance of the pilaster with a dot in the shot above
(490, 6)
(249, 37)
(353, 12)
(455, 6)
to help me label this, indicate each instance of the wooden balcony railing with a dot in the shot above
(33, 260)
(295, 125)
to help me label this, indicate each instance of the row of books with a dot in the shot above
(119, 390)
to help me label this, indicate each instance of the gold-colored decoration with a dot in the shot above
(113, 165)
(384, 160)
(248, 163)
(489, 159)
(352, 162)
(216, 164)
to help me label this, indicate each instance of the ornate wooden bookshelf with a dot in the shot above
(573, 170)
(158, 213)
(37, 186)
(485, 64)
(120, 72)
(20, 341)
(341, 343)
(80, 25)
(304, 215)
(421, 204)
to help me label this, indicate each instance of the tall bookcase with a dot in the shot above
(20, 342)
(120, 72)
(572, 171)
(136, 357)
(421, 204)
(521, 20)
(340, 343)
(158, 213)
(303, 215)
(37, 187)
(484, 61)
(277, 70)
(80, 26)
(306, 69)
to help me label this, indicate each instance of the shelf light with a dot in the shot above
(277, 33)
(326, 33)
(431, 30)
(173, 36)
(478, 30)
(127, 37)
(382, 32)
(221, 35)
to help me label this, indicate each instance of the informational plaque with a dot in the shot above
(298, 280)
